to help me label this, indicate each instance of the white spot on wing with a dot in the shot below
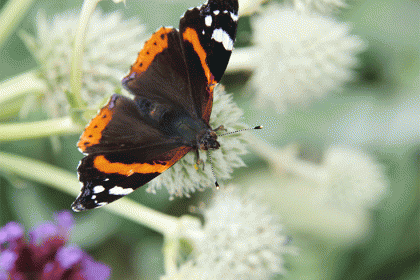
(106, 179)
(80, 150)
(101, 204)
(219, 35)
(203, 32)
(225, 11)
(93, 196)
(120, 191)
(216, 12)
(208, 20)
(98, 189)
(234, 17)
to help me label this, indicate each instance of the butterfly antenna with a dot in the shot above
(257, 127)
(212, 170)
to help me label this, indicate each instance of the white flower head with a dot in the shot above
(354, 181)
(111, 47)
(323, 6)
(182, 178)
(303, 56)
(242, 240)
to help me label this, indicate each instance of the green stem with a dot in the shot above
(22, 84)
(190, 228)
(170, 253)
(76, 71)
(30, 130)
(244, 59)
(12, 13)
(67, 182)
(286, 159)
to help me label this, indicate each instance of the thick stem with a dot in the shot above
(76, 71)
(170, 253)
(30, 130)
(67, 182)
(244, 59)
(12, 13)
(287, 160)
(22, 84)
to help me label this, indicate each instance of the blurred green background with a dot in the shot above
(379, 112)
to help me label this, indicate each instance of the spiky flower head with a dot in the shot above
(354, 181)
(323, 6)
(241, 240)
(183, 178)
(111, 47)
(303, 55)
(45, 254)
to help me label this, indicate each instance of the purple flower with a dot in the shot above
(12, 235)
(45, 255)
(7, 260)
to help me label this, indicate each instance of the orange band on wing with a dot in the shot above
(208, 107)
(191, 36)
(104, 165)
(155, 45)
(93, 132)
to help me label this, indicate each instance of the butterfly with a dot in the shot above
(131, 141)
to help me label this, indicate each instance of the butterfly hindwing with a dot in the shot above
(120, 125)
(126, 149)
(105, 180)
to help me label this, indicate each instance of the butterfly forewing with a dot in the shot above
(208, 35)
(215, 25)
(160, 73)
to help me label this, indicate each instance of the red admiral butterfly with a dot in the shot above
(130, 142)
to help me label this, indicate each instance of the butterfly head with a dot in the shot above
(207, 140)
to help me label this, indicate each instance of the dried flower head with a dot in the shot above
(242, 240)
(45, 254)
(182, 178)
(111, 47)
(354, 180)
(303, 56)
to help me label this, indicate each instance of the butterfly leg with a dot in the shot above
(220, 127)
(198, 161)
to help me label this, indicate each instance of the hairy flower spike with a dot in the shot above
(303, 56)
(242, 240)
(182, 178)
(111, 47)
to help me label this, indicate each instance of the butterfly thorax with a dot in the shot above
(207, 140)
(195, 133)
